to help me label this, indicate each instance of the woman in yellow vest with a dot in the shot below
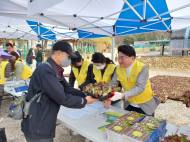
(134, 78)
(103, 68)
(5, 72)
(79, 71)
(21, 70)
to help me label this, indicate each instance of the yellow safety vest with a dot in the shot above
(3, 65)
(106, 78)
(128, 82)
(81, 76)
(26, 73)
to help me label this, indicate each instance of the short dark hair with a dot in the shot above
(13, 53)
(39, 45)
(9, 44)
(127, 50)
(98, 57)
(76, 59)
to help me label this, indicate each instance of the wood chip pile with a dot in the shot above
(167, 63)
(172, 87)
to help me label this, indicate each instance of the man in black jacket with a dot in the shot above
(48, 79)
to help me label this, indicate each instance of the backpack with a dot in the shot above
(19, 108)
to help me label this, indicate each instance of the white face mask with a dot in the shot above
(101, 67)
(66, 62)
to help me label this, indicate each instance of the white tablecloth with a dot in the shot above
(86, 121)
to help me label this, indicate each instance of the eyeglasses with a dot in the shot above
(123, 57)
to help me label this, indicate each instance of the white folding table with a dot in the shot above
(86, 121)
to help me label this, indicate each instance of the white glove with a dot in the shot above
(117, 96)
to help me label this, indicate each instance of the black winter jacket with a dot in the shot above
(41, 121)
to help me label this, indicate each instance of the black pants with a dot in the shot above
(39, 140)
(2, 135)
(136, 109)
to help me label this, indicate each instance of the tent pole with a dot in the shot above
(144, 9)
(113, 47)
(133, 9)
(154, 10)
(171, 11)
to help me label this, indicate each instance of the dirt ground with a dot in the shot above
(14, 134)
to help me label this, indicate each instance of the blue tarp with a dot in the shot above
(85, 34)
(45, 33)
(130, 21)
(42, 32)
(127, 27)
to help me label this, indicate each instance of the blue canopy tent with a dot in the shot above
(139, 16)
(116, 18)
(42, 32)
(49, 32)
(126, 16)
(105, 18)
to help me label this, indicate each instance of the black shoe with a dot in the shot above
(2, 135)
